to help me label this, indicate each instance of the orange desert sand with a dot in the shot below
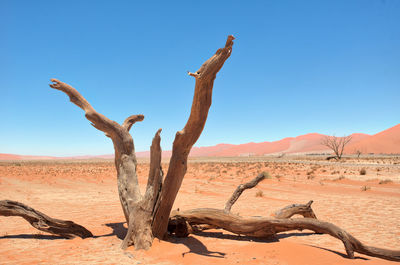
(85, 191)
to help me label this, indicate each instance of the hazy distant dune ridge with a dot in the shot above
(385, 142)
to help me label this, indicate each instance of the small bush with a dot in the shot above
(259, 193)
(339, 178)
(267, 175)
(363, 171)
(386, 181)
(365, 188)
(310, 177)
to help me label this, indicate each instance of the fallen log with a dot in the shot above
(42, 222)
(262, 227)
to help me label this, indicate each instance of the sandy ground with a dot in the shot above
(86, 192)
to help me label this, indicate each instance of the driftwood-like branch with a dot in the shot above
(42, 222)
(127, 124)
(268, 227)
(290, 210)
(239, 190)
(185, 139)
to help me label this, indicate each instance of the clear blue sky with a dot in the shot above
(297, 67)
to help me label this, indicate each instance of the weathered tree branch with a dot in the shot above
(42, 222)
(125, 162)
(266, 227)
(239, 190)
(303, 209)
(185, 139)
(127, 124)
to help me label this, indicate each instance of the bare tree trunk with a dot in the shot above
(148, 215)
(185, 139)
(42, 222)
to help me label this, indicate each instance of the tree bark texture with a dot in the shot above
(42, 222)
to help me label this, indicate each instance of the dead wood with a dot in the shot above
(187, 137)
(262, 227)
(242, 187)
(183, 223)
(137, 209)
(302, 209)
(42, 222)
(148, 215)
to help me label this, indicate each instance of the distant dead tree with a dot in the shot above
(150, 215)
(336, 144)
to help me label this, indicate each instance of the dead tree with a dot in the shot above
(336, 144)
(183, 223)
(147, 215)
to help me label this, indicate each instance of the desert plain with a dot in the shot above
(359, 194)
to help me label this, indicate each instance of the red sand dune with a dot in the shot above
(307, 143)
(385, 142)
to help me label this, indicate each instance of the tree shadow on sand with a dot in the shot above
(118, 230)
(196, 247)
(337, 252)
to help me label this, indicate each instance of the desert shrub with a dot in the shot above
(267, 175)
(386, 181)
(278, 177)
(363, 171)
(365, 188)
(310, 177)
(259, 193)
(339, 178)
